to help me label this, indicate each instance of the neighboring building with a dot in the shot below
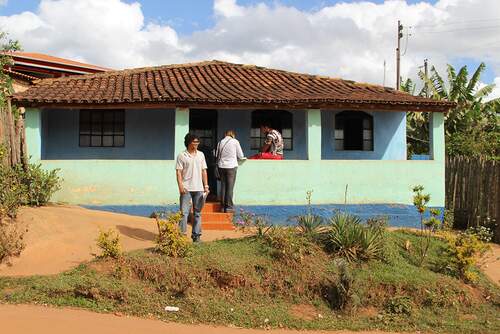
(30, 66)
(115, 136)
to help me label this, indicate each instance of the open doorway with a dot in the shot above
(203, 123)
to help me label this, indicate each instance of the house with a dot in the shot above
(115, 135)
(30, 66)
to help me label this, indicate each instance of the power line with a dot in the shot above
(406, 43)
(461, 29)
(455, 23)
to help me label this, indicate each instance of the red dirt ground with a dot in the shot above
(42, 320)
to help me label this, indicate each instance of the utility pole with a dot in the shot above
(425, 83)
(384, 73)
(398, 54)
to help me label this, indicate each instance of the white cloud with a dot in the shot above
(349, 40)
(104, 32)
(227, 8)
(496, 91)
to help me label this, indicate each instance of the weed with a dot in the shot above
(109, 244)
(399, 305)
(288, 245)
(11, 240)
(249, 221)
(309, 224)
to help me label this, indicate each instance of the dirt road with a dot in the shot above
(45, 320)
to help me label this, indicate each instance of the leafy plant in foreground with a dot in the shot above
(170, 240)
(309, 224)
(109, 244)
(39, 184)
(250, 221)
(465, 249)
(427, 226)
(348, 238)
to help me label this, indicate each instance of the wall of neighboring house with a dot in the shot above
(149, 135)
(389, 135)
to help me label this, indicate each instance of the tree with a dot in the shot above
(472, 128)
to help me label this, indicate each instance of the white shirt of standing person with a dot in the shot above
(230, 152)
(191, 166)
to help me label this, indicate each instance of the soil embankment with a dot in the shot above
(61, 237)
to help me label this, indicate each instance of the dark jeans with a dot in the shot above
(227, 180)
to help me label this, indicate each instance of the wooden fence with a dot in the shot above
(472, 192)
(12, 137)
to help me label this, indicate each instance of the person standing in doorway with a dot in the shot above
(191, 171)
(227, 155)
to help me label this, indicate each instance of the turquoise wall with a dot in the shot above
(152, 182)
(389, 137)
(149, 135)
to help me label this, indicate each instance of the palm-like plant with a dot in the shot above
(465, 92)
(468, 123)
(348, 238)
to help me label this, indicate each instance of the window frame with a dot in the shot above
(365, 126)
(92, 123)
(272, 117)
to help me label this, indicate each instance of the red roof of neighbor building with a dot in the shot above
(218, 84)
(40, 57)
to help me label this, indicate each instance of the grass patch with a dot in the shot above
(241, 282)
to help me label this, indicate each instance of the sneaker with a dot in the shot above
(197, 240)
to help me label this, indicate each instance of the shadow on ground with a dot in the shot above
(136, 233)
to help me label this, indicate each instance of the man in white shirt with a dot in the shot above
(191, 171)
(228, 153)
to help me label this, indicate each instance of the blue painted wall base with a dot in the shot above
(399, 215)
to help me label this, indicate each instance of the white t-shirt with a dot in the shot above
(192, 167)
(230, 152)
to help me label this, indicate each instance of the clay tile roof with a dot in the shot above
(55, 60)
(218, 83)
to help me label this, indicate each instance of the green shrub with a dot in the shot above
(109, 244)
(12, 192)
(11, 241)
(465, 249)
(39, 184)
(287, 245)
(348, 238)
(170, 241)
(399, 305)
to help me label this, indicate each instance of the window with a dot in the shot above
(353, 131)
(278, 120)
(102, 128)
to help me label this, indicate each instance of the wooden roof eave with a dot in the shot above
(361, 105)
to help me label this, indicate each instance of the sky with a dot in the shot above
(347, 39)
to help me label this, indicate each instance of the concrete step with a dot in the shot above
(215, 217)
(211, 207)
(217, 226)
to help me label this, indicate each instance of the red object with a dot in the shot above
(266, 156)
